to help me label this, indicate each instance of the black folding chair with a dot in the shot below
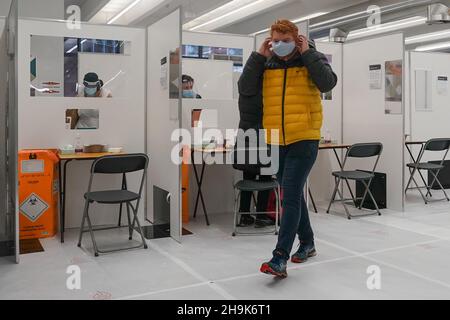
(120, 164)
(256, 186)
(433, 145)
(361, 150)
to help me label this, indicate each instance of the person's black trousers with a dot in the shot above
(263, 196)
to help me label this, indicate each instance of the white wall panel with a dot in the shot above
(163, 119)
(321, 180)
(433, 123)
(364, 110)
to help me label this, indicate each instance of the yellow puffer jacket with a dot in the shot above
(292, 105)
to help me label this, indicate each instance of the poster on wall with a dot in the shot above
(163, 77)
(328, 95)
(375, 76)
(442, 85)
(174, 74)
(394, 87)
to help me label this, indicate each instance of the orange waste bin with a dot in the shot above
(38, 193)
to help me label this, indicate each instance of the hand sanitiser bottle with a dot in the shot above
(78, 144)
(328, 136)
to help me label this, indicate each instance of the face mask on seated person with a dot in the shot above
(189, 94)
(90, 92)
(283, 49)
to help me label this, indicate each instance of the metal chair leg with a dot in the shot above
(441, 186)
(337, 181)
(365, 193)
(236, 204)
(86, 208)
(130, 227)
(420, 191)
(411, 174)
(141, 232)
(120, 216)
(372, 197)
(91, 231)
(343, 204)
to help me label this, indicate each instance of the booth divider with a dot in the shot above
(163, 119)
(42, 119)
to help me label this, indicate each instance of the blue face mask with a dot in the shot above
(283, 49)
(188, 94)
(90, 92)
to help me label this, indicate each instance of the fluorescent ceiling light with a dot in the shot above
(121, 13)
(298, 20)
(386, 27)
(434, 47)
(428, 37)
(75, 47)
(230, 12)
(124, 11)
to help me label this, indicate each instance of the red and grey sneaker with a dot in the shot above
(304, 252)
(276, 267)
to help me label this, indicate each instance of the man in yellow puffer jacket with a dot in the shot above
(284, 81)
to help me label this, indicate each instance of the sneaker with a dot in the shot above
(304, 252)
(263, 221)
(276, 267)
(246, 221)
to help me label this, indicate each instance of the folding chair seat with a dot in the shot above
(354, 175)
(120, 164)
(112, 197)
(425, 166)
(361, 150)
(255, 186)
(432, 145)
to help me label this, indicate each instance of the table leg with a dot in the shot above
(61, 199)
(196, 180)
(201, 192)
(199, 185)
(63, 211)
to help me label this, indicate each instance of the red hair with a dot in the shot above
(285, 27)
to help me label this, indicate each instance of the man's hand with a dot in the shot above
(302, 44)
(265, 48)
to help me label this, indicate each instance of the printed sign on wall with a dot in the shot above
(442, 85)
(375, 76)
(394, 87)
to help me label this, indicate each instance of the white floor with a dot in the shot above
(412, 250)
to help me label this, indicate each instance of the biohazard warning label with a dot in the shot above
(33, 207)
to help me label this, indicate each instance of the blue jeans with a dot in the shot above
(296, 162)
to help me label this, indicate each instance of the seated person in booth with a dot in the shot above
(251, 120)
(188, 88)
(283, 81)
(93, 87)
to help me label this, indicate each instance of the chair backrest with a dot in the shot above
(441, 144)
(120, 164)
(365, 150)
